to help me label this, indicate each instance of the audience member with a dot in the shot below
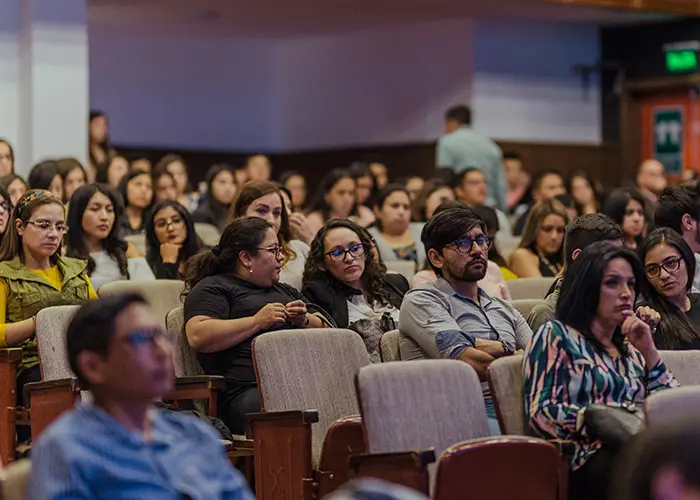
(518, 182)
(221, 191)
(472, 190)
(380, 173)
(597, 352)
(651, 181)
(45, 175)
(112, 171)
(434, 194)
(141, 163)
(583, 231)
(365, 193)
(298, 223)
(73, 175)
(263, 199)
(396, 236)
(7, 158)
(626, 207)
(164, 186)
(678, 208)
(335, 199)
(177, 167)
(689, 175)
(137, 194)
(15, 186)
(585, 191)
(100, 150)
(546, 185)
(34, 275)
(461, 148)
(453, 318)
(343, 278)
(170, 239)
(295, 183)
(569, 204)
(235, 295)
(5, 211)
(94, 217)
(541, 250)
(259, 168)
(120, 445)
(241, 176)
(414, 186)
(669, 265)
(490, 218)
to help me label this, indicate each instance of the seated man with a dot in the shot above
(120, 446)
(472, 190)
(582, 231)
(454, 318)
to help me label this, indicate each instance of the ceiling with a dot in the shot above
(283, 18)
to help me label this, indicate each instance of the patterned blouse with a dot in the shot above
(564, 373)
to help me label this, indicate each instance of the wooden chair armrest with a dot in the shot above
(344, 437)
(47, 400)
(210, 381)
(61, 385)
(408, 468)
(10, 355)
(293, 417)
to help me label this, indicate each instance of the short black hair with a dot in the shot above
(92, 328)
(674, 202)
(461, 113)
(586, 230)
(42, 174)
(511, 155)
(539, 177)
(446, 227)
(463, 174)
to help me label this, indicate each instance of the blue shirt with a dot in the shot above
(88, 454)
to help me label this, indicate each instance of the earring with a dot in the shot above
(251, 270)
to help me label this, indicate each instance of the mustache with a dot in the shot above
(477, 260)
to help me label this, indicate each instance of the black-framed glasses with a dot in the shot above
(464, 245)
(338, 255)
(163, 223)
(669, 265)
(273, 250)
(45, 226)
(148, 336)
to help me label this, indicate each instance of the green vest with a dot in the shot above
(29, 293)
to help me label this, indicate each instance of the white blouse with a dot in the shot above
(358, 309)
(107, 269)
(293, 271)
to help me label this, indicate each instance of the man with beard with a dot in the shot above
(453, 318)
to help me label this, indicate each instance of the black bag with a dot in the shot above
(613, 425)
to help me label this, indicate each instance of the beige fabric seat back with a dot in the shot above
(162, 295)
(525, 306)
(407, 268)
(685, 365)
(139, 241)
(420, 405)
(184, 357)
(51, 328)
(389, 346)
(14, 480)
(310, 369)
(409, 349)
(529, 288)
(507, 384)
(507, 245)
(670, 405)
(208, 233)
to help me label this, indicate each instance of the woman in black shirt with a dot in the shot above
(669, 267)
(234, 296)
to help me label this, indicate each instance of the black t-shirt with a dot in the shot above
(693, 315)
(226, 296)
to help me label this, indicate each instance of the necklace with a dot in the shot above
(554, 268)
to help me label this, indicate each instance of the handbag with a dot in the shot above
(613, 425)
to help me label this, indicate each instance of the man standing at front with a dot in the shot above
(461, 147)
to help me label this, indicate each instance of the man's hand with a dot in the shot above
(491, 347)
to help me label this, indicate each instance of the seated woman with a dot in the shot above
(94, 218)
(15, 186)
(585, 191)
(343, 278)
(177, 167)
(596, 352)
(221, 191)
(335, 199)
(7, 158)
(295, 183)
(365, 191)
(626, 206)
(45, 175)
(263, 199)
(73, 175)
(434, 193)
(669, 266)
(541, 250)
(234, 296)
(137, 194)
(34, 275)
(396, 236)
(164, 187)
(5, 211)
(170, 240)
(112, 171)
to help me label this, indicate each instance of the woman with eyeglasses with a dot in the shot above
(170, 239)
(541, 250)
(234, 295)
(627, 207)
(34, 275)
(669, 266)
(94, 215)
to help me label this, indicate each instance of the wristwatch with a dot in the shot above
(508, 350)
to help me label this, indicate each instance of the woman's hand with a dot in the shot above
(169, 252)
(270, 315)
(296, 313)
(649, 316)
(639, 335)
(299, 227)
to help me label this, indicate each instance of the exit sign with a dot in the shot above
(681, 61)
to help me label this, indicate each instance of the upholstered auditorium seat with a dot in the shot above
(389, 346)
(529, 288)
(162, 295)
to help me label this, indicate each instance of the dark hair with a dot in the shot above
(42, 174)
(374, 276)
(8, 179)
(490, 218)
(92, 328)
(387, 191)
(512, 155)
(588, 177)
(446, 227)
(12, 151)
(155, 177)
(674, 328)
(586, 230)
(461, 114)
(616, 204)
(165, 161)
(674, 202)
(124, 183)
(218, 209)
(539, 177)
(360, 169)
(327, 183)
(533, 224)
(580, 291)
(6, 196)
(102, 169)
(421, 204)
(65, 167)
(114, 245)
(288, 174)
(245, 234)
(463, 174)
(189, 247)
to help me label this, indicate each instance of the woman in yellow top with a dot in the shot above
(34, 275)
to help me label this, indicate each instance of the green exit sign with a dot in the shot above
(681, 61)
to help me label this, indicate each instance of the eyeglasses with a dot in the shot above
(46, 226)
(274, 250)
(669, 265)
(148, 336)
(549, 229)
(163, 223)
(464, 245)
(338, 255)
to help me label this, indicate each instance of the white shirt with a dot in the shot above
(107, 270)
(358, 309)
(293, 271)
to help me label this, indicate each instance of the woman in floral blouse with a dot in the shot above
(597, 352)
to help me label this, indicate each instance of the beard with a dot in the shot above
(469, 272)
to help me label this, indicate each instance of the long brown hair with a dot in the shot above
(539, 212)
(11, 245)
